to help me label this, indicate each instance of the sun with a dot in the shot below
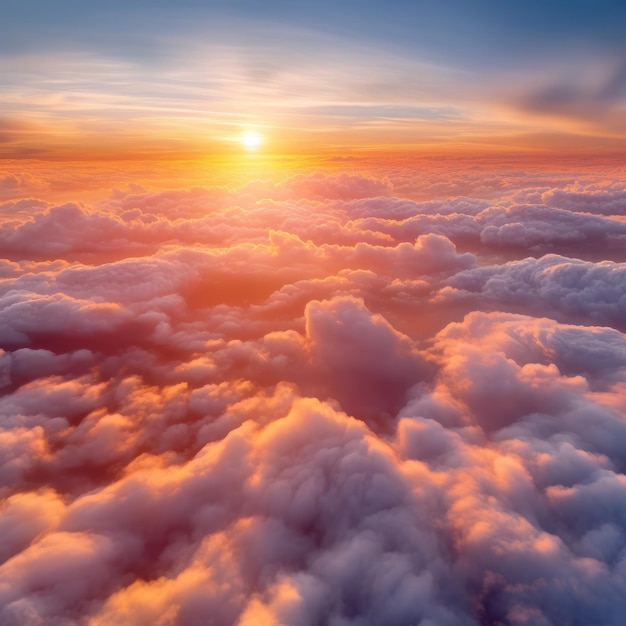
(251, 140)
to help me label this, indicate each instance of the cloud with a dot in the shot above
(529, 225)
(602, 200)
(598, 100)
(568, 289)
(316, 401)
(371, 365)
(14, 185)
(22, 314)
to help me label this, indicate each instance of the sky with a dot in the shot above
(179, 79)
(312, 314)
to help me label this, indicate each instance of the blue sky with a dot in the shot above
(465, 30)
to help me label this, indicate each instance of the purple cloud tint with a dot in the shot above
(315, 402)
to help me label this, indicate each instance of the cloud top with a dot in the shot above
(316, 401)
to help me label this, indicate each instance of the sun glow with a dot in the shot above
(251, 140)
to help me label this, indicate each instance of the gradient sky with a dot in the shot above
(185, 78)
(370, 372)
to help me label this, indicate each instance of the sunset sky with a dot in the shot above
(313, 313)
(180, 79)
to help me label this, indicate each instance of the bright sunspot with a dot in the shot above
(251, 140)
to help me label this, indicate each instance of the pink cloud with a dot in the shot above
(316, 401)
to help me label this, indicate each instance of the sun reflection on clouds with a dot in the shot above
(312, 390)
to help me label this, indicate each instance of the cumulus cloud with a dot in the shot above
(340, 398)
(370, 364)
(569, 289)
(599, 200)
(529, 225)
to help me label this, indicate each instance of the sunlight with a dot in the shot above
(251, 140)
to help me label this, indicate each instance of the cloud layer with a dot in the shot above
(339, 399)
